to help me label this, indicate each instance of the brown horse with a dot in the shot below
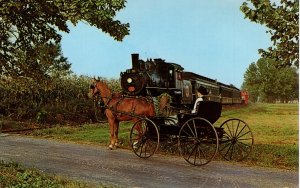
(121, 108)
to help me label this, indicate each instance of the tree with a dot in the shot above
(41, 62)
(251, 82)
(264, 81)
(282, 19)
(36, 75)
(25, 25)
(290, 91)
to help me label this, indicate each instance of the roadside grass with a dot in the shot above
(275, 128)
(276, 133)
(15, 176)
(88, 133)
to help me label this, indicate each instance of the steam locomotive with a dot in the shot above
(155, 77)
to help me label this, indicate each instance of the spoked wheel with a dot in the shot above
(198, 141)
(144, 138)
(170, 121)
(237, 140)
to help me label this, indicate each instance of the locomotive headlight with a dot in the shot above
(129, 80)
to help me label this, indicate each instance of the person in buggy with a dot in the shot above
(201, 96)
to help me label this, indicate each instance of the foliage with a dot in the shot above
(283, 21)
(52, 101)
(63, 99)
(264, 81)
(15, 176)
(29, 30)
(40, 63)
(161, 104)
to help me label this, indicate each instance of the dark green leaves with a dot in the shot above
(29, 29)
(283, 21)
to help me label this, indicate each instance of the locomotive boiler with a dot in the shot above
(154, 77)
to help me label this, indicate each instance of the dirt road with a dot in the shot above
(122, 168)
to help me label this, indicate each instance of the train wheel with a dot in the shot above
(198, 141)
(237, 140)
(144, 138)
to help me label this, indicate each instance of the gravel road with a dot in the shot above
(122, 168)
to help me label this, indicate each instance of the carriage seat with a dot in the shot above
(208, 110)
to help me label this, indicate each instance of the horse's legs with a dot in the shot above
(111, 123)
(116, 134)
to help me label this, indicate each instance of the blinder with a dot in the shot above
(93, 87)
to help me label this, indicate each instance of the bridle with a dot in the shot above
(93, 87)
(97, 96)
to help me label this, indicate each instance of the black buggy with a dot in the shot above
(197, 138)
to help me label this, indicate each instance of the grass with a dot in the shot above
(276, 133)
(275, 128)
(15, 176)
(89, 133)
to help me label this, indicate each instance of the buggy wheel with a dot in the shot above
(170, 121)
(144, 138)
(198, 141)
(237, 140)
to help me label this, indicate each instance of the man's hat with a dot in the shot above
(202, 90)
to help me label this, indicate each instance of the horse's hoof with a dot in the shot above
(111, 147)
(135, 145)
(116, 145)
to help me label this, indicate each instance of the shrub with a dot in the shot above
(60, 99)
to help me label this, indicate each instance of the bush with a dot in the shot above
(61, 99)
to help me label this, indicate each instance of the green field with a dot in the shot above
(276, 133)
(275, 128)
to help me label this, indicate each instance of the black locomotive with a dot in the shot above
(155, 77)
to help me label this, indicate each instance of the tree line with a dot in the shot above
(266, 83)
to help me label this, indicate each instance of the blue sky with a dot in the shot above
(210, 38)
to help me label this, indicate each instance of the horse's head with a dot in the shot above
(100, 88)
(93, 89)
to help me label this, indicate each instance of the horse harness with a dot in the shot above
(114, 107)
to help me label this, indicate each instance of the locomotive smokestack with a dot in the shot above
(135, 61)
